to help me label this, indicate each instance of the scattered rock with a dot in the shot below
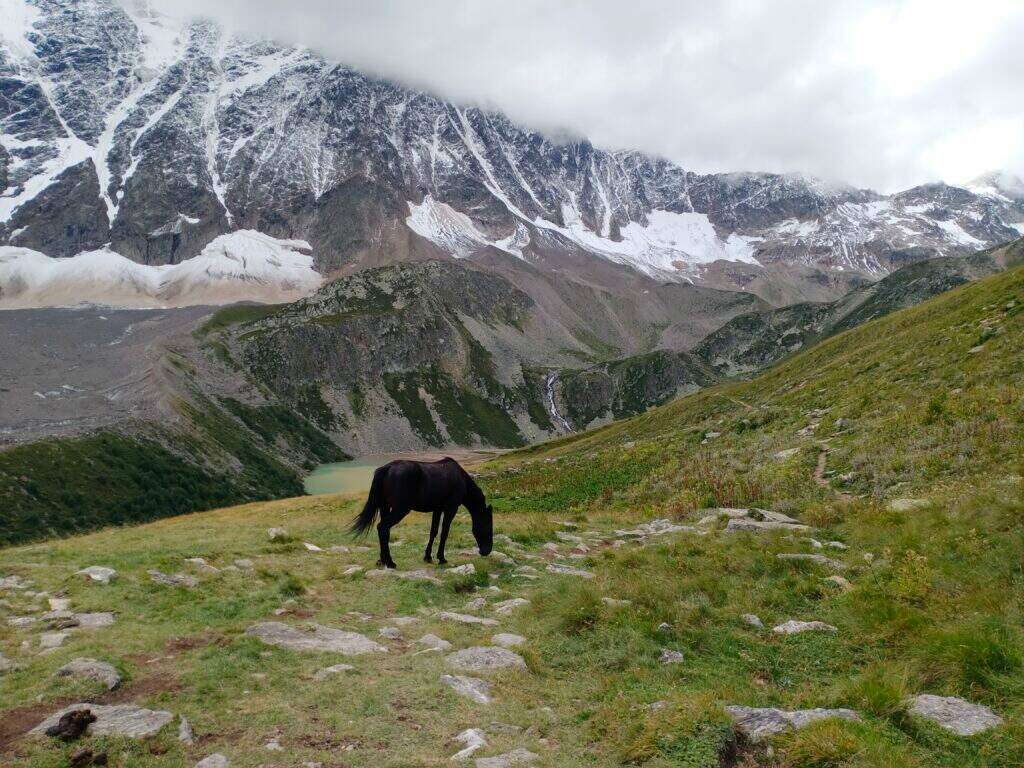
(476, 604)
(404, 621)
(507, 606)
(99, 573)
(760, 526)
(51, 640)
(669, 656)
(201, 565)
(567, 570)
(245, 563)
(173, 580)
(819, 559)
(786, 453)
(794, 627)
(59, 603)
(274, 745)
(352, 570)
(91, 669)
(839, 581)
(277, 534)
(658, 527)
(21, 621)
(114, 720)
(517, 756)
(391, 633)
(615, 602)
(464, 618)
(485, 659)
(322, 674)
(907, 505)
(14, 582)
(94, 620)
(185, 734)
(956, 715)
(472, 739)
(470, 687)
(216, 760)
(6, 665)
(508, 728)
(664, 627)
(420, 574)
(752, 620)
(507, 639)
(434, 642)
(461, 570)
(757, 724)
(657, 706)
(501, 557)
(314, 638)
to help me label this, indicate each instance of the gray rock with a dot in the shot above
(173, 580)
(50, 640)
(518, 756)
(314, 638)
(507, 606)
(954, 714)
(59, 603)
(114, 720)
(95, 620)
(185, 734)
(245, 563)
(485, 659)
(391, 633)
(470, 687)
(476, 604)
(434, 642)
(336, 669)
(216, 760)
(6, 665)
(752, 620)
(277, 534)
(404, 621)
(461, 570)
(21, 621)
(472, 739)
(615, 602)
(566, 570)
(839, 581)
(794, 627)
(507, 639)
(750, 525)
(98, 573)
(91, 669)
(817, 559)
(464, 618)
(907, 505)
(668, 656)
(420, 574)
(201, 565)
(758, 724)
(659, 527)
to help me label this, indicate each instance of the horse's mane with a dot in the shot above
(472, 489)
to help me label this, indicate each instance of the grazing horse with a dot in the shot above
(438, 487)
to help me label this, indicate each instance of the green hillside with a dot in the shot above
(898, 443)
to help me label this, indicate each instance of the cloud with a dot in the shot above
(882, 93)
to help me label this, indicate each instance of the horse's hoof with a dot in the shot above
(392, 566)
(428, 559)
(442, 561)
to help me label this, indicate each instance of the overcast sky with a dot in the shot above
(880, 93)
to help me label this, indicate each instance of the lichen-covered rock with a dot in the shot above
(485, 659)
(470, 687)
(315, 637)
(114, 720)
(954, 714)
(758, 724)
(794, 627)
(91, 669)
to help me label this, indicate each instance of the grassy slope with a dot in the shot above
(938, 608)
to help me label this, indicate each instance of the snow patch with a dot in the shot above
(455, 232)
(240, 266)
(958, 235)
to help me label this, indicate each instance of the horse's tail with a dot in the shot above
(374, 503)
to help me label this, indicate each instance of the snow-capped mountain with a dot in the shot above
(149, 137)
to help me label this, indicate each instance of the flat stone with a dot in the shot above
(95, 620)
(501, 557)
(277, 534)
(245, 563)
(518, 756)
(758, 724)
(185, 734)
(173, 579)
(216, 760)
(659, 527)
(99, 573)
(91, 669)
(472, 739)
(794, 627)
(465, 618)
(485, 659)
(420, 574)
(114, 720)
(201, 565)
(615, 602)
(838, 581)
(21, 621)
(404, 621)
(336, 669)
(461, 570)
(469, 687)
(311, 547)
(391, 633)
(352, 570)
(314, 638)
(51, 640)
(507, 606)
(339, 549)
(669, 656)
(14, 582)
(752, 620)
(817, 559)
(507, 639)
(59, 603)
(567, 570)
(434, 642)
(907, 505)
(746, 524)
(476, 604)
(954, 714)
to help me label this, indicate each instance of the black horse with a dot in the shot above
(438, 487)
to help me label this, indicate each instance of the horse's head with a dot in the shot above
(483, 527)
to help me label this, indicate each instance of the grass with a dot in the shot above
(936, 602)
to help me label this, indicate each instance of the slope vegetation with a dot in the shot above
(896, 443)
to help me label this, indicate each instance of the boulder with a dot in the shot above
(758, 724)
(314, 638)
(469, 687)
(91, 669)
(98, 573)
(277, 534)
(954, 714)
(485, 659)
(6, 665)
(433, 642)
(114, 720)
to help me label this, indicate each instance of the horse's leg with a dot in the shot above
(449, 515)
(434, 522)
(387, 520)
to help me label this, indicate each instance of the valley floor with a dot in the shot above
(897, 444)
